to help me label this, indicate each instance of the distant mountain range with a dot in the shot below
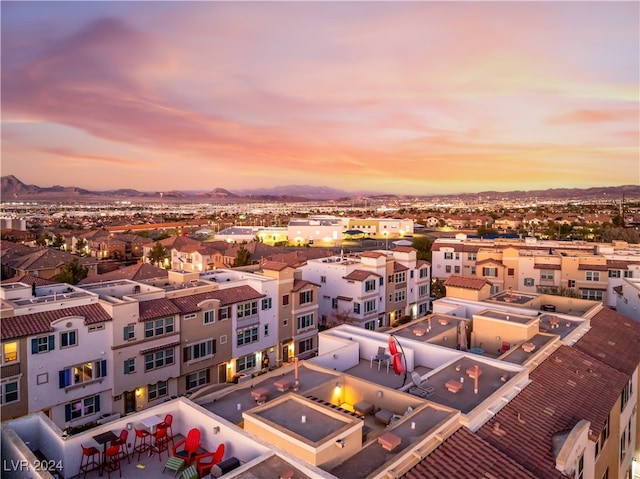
(14, 189)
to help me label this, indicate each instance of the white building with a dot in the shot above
(628, 298)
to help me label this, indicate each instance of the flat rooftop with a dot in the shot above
(428, 327)
(458, 376)
(303, 418)
(507, 316)
(520, 356)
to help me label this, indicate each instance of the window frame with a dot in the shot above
(155, 359)
(3, 390)
(66, 334)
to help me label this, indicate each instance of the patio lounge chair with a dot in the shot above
(188, 447)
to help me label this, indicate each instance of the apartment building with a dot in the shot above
(371, 289)
(587, 270)
(56, 353)
(628, 298)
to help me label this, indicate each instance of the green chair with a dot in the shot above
(190, 473)
(175, 464)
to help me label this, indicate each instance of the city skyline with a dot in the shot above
(417, 97)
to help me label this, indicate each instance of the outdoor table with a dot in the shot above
(104, 439)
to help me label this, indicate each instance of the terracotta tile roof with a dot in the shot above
(422, 263)
(160, 347)
(40, 322)
(593, 267)
(489, 261)
(371, 254)
(399, 267)
(619, 264)
(46, 258)
(359, 275)
(157, 308)
(618, 290)
(613, 339)
(344, 298)
(275, 265)
(467, 282)
(547, 266)
(29, 279)
(298, 284)
(464, 455)
(135, 272)
(238, 294)
(567, 387)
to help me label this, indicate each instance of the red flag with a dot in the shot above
(392, 346)
(397, 364)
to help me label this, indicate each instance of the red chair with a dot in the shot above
(166, 424)
(189, 446)
(142, 442)
(204, 462)
(121, 442)
(161, 443)
(88, 461)
(111, 460)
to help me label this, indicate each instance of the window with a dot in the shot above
(369, 306)
(571, 283)
(129, 332)
(424, 273)
(381, 281)
(490, 272)
(203, 350)
(623, 445)
(511, 271)
(423, 291)
(529, 281)
(82, 373)
(158, 327)
(626, 394)
(411, 273)
(305, 321)
(592, 294)
(190, 316)
(306, 297)
(370, 285)
(81, 408)
(615, 273)
(334, 303)
(370, 325)
(209, 317)
(266, 330)
(356, 308)
(245, 362)
(456, 269)
(285, 322)
(448, 256)
(95, 327)
(223, 339)
(592, 276)
(305, 345)
(224, 313)
(9, 352)
(285, 300)
(401, 277)
(247, 309)
(130, 366)
(447, 268)
(473, 270)
(400, 295)
(10, 391)
(158, 359)
(266, 303)
(197, 379)
(246, 336)
(457, 256)
(546, 275)
(628, 274)
(422, 309)
(323, 279)
(43, 344)
(580, 468)
(472, 256)
(68, 339)
(157, 390)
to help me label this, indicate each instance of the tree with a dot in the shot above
(423, 245)
(243, 257)
(58, 241)
(41, 240)
(81, 244)
(72, 272)
(157, 254)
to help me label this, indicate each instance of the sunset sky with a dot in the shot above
(395, 97)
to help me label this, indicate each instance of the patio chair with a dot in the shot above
(190, 473)
(88, 461)
(121, 442)
(111, 460)
(204, 462)
(188, 447)
(141, 443)
(161, 443)
(166, 424)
